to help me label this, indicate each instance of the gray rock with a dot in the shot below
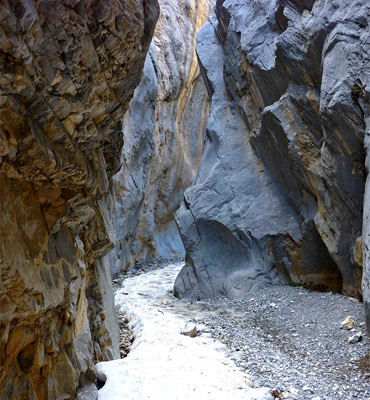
(164, 130)
(363, 100)
(87, 392)
(190, 330)
(278, 195)
(355, 338)
(347, 323)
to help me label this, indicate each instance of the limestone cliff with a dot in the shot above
(164, 130)
(279, 193)
(68, 70)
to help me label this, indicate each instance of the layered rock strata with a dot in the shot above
(164, 131)
(68, 71)
(279, 193)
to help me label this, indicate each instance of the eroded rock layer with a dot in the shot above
(68, 70)
(279, 193)
(164, 131)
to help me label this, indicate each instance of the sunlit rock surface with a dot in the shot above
(164, 132)
(279, 192)
(68, 70)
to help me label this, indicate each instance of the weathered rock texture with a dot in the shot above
(67, 72)
(279, 193)
(164, 131)
(362, 96)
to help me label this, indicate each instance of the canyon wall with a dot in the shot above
(68, 71)
(164, 132)
(363, 99)
(279, 193)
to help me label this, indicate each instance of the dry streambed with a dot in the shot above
(288, 339)
(163, 363)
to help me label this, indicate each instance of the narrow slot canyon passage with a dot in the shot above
(174, 165)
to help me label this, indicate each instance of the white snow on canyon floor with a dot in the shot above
(163, 363)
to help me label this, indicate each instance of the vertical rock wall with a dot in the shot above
(279, 192)
(67, 72)
(362, 96)
(164, 131)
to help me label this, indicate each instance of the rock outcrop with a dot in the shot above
(279, 193)
(68, 71)
(164, 131)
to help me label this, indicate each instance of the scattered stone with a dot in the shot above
(289, 395)
(347, 323)
(126, 336)
(355, 338)
(142, 267)
(190, 330)
(275, 357)
(276, 394)
(250, 383)
(293, 391)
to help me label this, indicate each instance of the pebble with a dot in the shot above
(347, 323)
(126, 335)
(295, 345)
(190, 330)
(355, 338)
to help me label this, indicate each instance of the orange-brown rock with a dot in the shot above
(68, 69)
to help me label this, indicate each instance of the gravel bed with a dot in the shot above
(289, 339)
(142, 268)
(286, 338)
(126, 335)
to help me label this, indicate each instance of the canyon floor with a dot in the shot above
(280, 342)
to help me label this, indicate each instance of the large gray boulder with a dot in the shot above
(278, 195)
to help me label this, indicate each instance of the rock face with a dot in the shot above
(164, 131)
(362, 96)
(68, 71)
(279, 193)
